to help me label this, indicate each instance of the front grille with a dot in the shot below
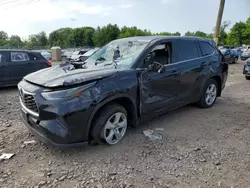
(28, 101)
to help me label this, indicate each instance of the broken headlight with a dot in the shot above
(66, 94)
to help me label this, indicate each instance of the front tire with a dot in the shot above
(235, 60)
(247, 77)
(209, 94)
(110, 125)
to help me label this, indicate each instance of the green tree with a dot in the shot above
(246, 32)
(88, 36)
(223, 35)
(168, 34)
(188, 33)
(15, 42)
(237, 34)
(106, 34)
(3, 38)
(133, 31)
(42, 39)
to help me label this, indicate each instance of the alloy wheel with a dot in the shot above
(211, 94)
(115, 128)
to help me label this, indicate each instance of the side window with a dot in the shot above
(35, 56)
(19, 56)
(162, 53)
(206, 48)
(187, 50)
(32, 57)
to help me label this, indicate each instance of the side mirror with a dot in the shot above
(148, 59)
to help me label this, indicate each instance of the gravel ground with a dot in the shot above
(199, 148)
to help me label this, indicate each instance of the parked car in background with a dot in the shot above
(246, 48)
(47, 55)
(245, 55)
(77, 55)
(230, 56)
(86, 55)
(15, 64)
(126, 82)
(246, 69)
(66, 54)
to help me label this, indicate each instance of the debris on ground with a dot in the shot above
(159, 129)
(152, 135)
(29, 142)
(6, 156)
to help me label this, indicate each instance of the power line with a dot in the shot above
(17, 3)
(8, 2)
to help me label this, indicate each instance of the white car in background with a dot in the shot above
(77, 55)
(88, 54)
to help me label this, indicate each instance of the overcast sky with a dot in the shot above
(25, 17)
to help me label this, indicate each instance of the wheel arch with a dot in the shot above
(124, 100)
(218, 80)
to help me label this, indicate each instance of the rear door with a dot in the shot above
(18, 66)
(36, 62)
(188, 68)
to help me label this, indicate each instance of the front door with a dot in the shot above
(158, 89)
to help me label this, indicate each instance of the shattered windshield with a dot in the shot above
(123, 52)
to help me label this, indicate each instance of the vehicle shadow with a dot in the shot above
(8, 89)
(170, 123)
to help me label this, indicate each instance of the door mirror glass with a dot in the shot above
(149, 59)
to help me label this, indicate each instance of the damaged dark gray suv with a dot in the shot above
(124, 83)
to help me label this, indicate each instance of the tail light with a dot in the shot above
(49, 63)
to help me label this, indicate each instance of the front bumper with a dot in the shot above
(60, 123)
(246, 70)
(244, 58)
(46, 137)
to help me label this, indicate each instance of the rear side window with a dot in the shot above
(35, 56)
(187, 50)
(206, 48)
(19, 56)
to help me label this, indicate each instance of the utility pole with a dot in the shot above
(218, 22)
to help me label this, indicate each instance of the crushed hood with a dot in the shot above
(66, 75)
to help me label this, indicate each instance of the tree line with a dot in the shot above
(238, 34)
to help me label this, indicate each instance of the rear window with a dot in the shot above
(187, 50)
(206, 48)
(19, 56)
(36, 56)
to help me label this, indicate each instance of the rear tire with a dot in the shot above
(110, 125)
(247, 77)
(209, 94)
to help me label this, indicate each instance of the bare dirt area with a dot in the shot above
(199, 148)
